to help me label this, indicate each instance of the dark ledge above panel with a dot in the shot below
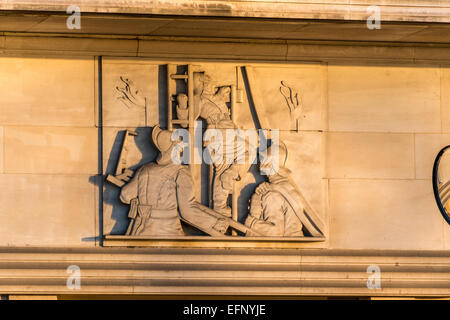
(289, 28)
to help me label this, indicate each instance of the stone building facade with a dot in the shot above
(374, 112)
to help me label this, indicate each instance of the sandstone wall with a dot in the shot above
(49, 152)
(380, 127)
(386, 126)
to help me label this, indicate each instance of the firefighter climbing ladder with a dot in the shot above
(188, 78)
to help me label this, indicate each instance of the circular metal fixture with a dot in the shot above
(441, 182)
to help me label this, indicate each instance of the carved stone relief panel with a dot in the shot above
(213, 150)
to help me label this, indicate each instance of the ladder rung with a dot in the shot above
(179, 76)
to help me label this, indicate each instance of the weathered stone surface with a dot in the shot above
(51, 150)
(384, 99)
(370, 155)
(216, 27)
(32, 297)
(21, 22)
(426, 55)
(223, 49)
(356, 31)
(433, 33)
(338, 53)
(236, 50)
(392, 10)
(384, 214)
(427, 147)
(83, 47)
(47, 92)
(230, 28)
(102, 24)
(47, 210)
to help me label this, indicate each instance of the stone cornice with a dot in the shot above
(150, 271)
(222, 49)
(346, 10)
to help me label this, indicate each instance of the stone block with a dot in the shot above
(51, 150)
(101, 25)
(20, 23)
(305, 160)
(316, 52)
(47, 92)
(305, 81)
(384, 99)
(47, 210)
(425, 54)
(384, 214)
(445, 98)
(32, 297)
(71, 46)
(2, 152)
(229, 28)
(432, 33)
(446, 228)
(370, 155)
(355, 31)
(130, 93)
(218, 50)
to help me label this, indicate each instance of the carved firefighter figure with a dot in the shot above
(210, 105)
(277, 208)
(160, 196)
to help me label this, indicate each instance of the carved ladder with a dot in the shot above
(188, 78)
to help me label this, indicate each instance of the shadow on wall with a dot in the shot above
(141, 145)
(95, 180)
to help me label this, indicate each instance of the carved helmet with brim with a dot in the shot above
(162, 139)
(270, 165)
